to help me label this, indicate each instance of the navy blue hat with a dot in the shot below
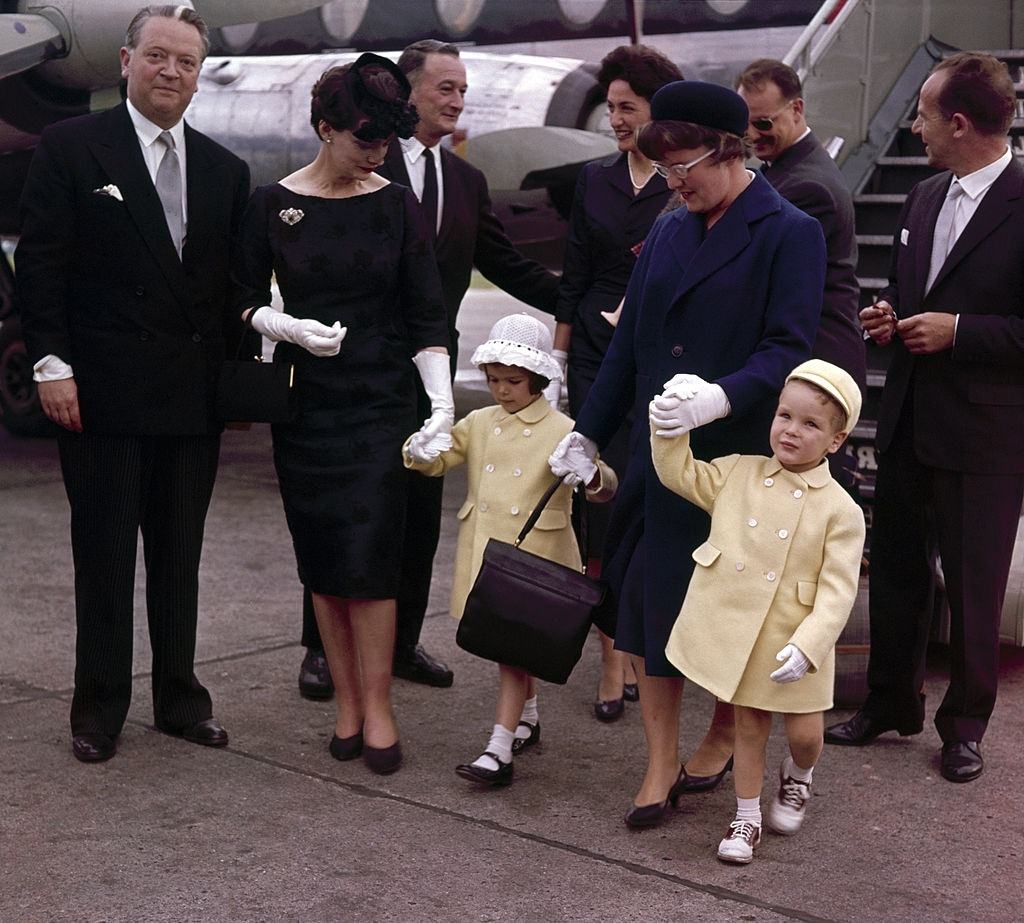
(706, 104)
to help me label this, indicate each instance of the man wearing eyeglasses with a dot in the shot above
(802, 172)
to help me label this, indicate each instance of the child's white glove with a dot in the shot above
(555, 393)
(794, 668)
(686, 403)
(574, 459)
(311, 335)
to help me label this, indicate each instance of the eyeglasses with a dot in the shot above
(765, 122)
(679, 170)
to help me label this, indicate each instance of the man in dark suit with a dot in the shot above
(951, 425)
(457, 203)
(122, 282)
(802, 172)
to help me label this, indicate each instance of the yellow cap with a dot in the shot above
(833, 381)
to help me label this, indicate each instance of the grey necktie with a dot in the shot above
(168, 187)
(948, 226)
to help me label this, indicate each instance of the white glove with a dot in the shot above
(556, 393)
(420, 449)
(311, 335)
(435, 373)
(573, 459)
(794, 668)
(687, 402)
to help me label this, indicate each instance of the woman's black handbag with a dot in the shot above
(528, 612)
(254, 391)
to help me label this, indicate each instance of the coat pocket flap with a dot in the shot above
(467, 508)
(806, 590)
(706, 555)
(552, 519)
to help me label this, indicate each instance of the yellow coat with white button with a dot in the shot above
(780, 566)
(507, 458)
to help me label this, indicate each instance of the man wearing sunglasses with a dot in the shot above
(802, 172)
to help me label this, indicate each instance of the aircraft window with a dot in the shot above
(341, 18)
(458, 15)
(237, 38)
(727, 7)
(581, 12)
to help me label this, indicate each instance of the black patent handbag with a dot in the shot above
(255, 391)
(528, 612)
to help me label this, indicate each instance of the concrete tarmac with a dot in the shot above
(273, 829)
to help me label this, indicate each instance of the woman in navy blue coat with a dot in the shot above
(729, 289)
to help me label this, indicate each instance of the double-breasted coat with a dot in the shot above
(739, 306)
(780, 566)
(507, 458)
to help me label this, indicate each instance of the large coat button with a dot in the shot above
(798, 493)
(751, 522)
(488, 468)
(770, 576)
(677, 351)
(740, 565)
(497, 431)
(768, 482)
(783, 533)
(514, 511)
(483, 507)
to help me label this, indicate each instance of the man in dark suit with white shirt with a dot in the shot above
(455, 200)
(951, 423)
(123, 287)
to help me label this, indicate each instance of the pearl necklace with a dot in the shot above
(632, 178)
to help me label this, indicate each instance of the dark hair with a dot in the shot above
(980, 87)
(369, 97)
(167, 11)
(657, 138)
(645, 69)
(537, 381)
(414, 56)
(756, 74)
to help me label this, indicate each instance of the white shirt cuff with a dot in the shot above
(51, 368)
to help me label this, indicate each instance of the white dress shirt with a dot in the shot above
(415, 166)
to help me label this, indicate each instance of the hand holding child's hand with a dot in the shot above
(425, 449)
(794, 668)
(686, 403)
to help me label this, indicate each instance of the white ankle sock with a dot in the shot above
(790, 769)
(500, 745)
(530, 716)
(749, 809)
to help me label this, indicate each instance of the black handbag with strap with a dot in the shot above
(528, 612)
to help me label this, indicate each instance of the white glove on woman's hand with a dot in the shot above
(794, 668)
(673, 414)
(573, 459)
(423, 449)
(311, 335)
(435, 373)
(556, 393)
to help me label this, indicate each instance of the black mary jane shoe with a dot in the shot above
(383, 760)
(346, 748)
(694, 785)
(641, 816)
(609, 711)
(631, 692)
(500, 776)
(519, 744)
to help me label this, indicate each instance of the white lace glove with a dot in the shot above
(794, 668)
(573, 459)
(435, 435)
(686, 403)
(311, 335)
(556, 393)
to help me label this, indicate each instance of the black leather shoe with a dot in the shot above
(500, 776)
(207, 733)
(694, 785)
(961, 760)
(521, 743)
(641, 816)
(631, 692)
(346, 748)
(92, 748)
(315, 676)
(418, 666)
(383, 760)
(861, 729)
(609, 711)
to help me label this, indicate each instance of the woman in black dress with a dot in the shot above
(363, 313)
(616, 203)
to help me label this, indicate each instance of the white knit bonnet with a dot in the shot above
(519, 340)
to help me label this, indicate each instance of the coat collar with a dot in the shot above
(532, 414)
(794, 154)
(616, 170)
(816, 477)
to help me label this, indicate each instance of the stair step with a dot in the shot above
(880, 198)
(872, 284)
(874, 240)
(902, 162)
(1012, 57)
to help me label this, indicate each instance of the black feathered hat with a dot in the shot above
(381, 92)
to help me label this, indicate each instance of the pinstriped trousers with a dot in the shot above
(118, 485)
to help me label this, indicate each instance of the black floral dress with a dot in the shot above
(367, 262)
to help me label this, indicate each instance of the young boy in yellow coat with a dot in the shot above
(775, 581)
(506, 448)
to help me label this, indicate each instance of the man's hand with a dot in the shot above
(931, 332)
(879, 322)
(60, 403)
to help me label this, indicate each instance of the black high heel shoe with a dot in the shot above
(693, 785)
(346, 748)
(383, 760)
(631, 692)
(642, 816)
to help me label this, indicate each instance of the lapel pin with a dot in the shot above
(291, 216)
(111, 190)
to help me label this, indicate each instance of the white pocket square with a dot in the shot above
(904, 236)
(111, 190)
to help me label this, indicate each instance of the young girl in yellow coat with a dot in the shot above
(775, 581)
(506, 448)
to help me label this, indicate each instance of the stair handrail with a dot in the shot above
(802, 57)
